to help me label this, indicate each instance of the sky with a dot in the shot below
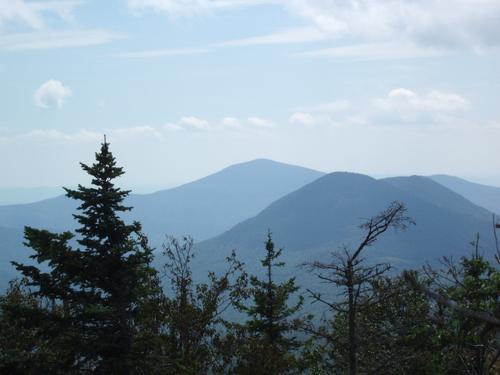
(183, 88)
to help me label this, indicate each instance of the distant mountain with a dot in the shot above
(437, 194)
(309, 213)
(321, 216)
(211, 205)
(54, 213)
(11, 248)
(27, 195)
(482, 195)
(202, 209)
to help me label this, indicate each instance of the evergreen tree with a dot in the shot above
(268, 342)
(97, 290)
(22, 349)
(469, 344)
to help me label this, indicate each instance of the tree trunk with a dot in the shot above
(352, 320)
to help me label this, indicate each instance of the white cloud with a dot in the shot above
(45, 40)
(231, 122)
(286, 36)
(195, 123)
(493, 125)
(19, 11)
(302, 118)
(135, 131)
(332, 106)
(39, 36)
(191, 7)
(192, 123)
(185, 125)
(401, 99)
(291, 35)
(452, 23)
(163, 52)
(62, 8)
(400, 106)
(377, 51)
(403, 106)
(52, 94)
(260, 122)
(57, 135)
(360, 29)
(85, 135)
(31, 13)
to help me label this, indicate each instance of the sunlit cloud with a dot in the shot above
(52, 94)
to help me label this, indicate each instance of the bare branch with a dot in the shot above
(479, 315)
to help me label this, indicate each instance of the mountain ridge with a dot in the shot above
(325, 214)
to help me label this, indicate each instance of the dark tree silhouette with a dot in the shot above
(97, 289)
(348, 271)
(269, 343)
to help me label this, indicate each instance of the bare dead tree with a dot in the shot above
(348, 271)
(496, 225)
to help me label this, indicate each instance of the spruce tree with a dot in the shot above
(95, 288)
(269, 344)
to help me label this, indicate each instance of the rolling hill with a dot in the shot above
(202, 209)
(27, 195)
(309, 213)
(321, 216)
(482, 195)
(214, 204)
(11, 248)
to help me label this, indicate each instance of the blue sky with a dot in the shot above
(183, 88)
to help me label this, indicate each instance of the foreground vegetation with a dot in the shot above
(93, 303)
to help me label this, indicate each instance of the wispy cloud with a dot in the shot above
(331, 106)
(431, 23)
(192, 123)
(45, 40)
(32, 13)
(176, 8)
(286, 36)
(302, 118)
(400, 106)
(57, 135)
(33, 16)
(377, 51)
(62, 8)
(361, 29)
(163, 52)
(260, 122)
(185, 125)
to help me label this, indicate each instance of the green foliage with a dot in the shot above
(469, 345)
(193, 324)
(397, 335)
(93, 304)
(23, 349)
(269, 344)
(97, 291)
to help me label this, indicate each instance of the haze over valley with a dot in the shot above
(310, 213)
